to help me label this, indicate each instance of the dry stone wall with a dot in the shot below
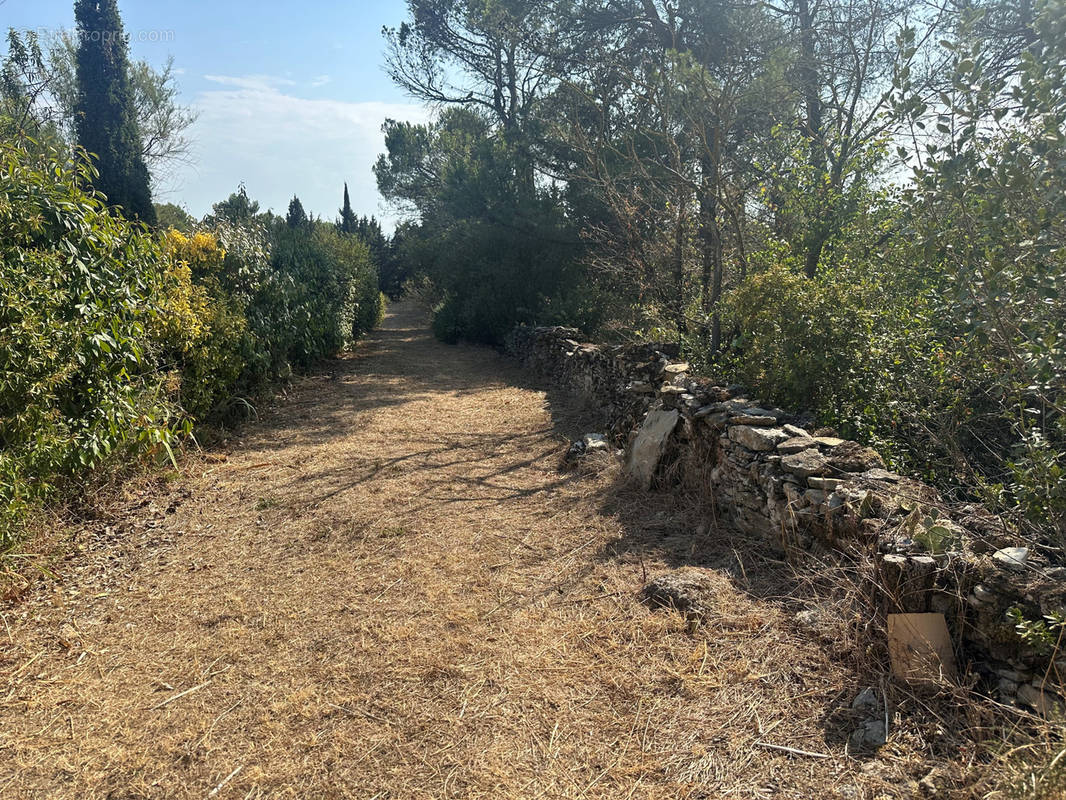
(772, 474)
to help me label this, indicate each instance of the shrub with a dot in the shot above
(803, 343)
(79, 296)
(204, 333)
(353, 303)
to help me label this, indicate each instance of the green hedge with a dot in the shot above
(115, 341)
(80, 291)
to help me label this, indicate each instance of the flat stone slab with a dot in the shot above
(757, 439)
(648, 447)
(805, 463)
(796, 444)
(595, 442)
(754, 419)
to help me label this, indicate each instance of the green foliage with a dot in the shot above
(24, 83)
(734, 177)
(296, 217)
(989, 216)
(106, 119)
(238, 208)
(497, 247)
(394, 268)
(347, 223)
(79, 296)
(1043, 635)
(169, 215)
(333, 284)
(802, 343)
(203, 332)
(115, 341)
(250, 302)
(162, 121)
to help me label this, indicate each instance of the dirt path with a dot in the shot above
(389, 590)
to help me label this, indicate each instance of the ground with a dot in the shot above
(386, 587)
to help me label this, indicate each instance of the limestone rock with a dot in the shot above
(649, 445)
(1015, 558)
(826, 484)
(755, 438)
(596, 443)
(870, 735)
(795, 444)
(878, 474)
(640, 387)
(805, 463)
(853, 457)
(815, 496)
(753, 419)
(829, 441)
(1045, 703)
(866, 701)
(761, 413)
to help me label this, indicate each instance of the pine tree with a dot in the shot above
(238, 207)
(348, 221)
(297, 217)
(105, 120)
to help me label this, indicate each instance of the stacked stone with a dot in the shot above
(806, 489)
(620, 382)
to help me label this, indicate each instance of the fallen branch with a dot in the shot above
(794, 751)
(179, 695)
(225, 780)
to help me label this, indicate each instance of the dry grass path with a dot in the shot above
(387, 589)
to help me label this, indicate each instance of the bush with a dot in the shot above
(497, 246)
(204, 333)
(356, 307)
(79, 297)
(114, 341)
(803, 343)
(247, 304)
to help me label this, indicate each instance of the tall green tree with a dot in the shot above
(296, 216)
(106, 121)
(162, 121)
(348, 222)
(497, 254)
(238, 208)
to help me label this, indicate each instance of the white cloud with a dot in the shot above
(278, 144)
(321, 80)
(251, 81)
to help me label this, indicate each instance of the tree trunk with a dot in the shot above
(679, 268)
(815, 240)
(711, 235)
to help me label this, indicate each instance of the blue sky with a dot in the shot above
(291, 95)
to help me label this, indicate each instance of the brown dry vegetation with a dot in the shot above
(387, 589)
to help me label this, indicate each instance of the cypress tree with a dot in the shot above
(105, 120)
(296, 218)
(348, 221)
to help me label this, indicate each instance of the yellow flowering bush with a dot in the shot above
(203, 331)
